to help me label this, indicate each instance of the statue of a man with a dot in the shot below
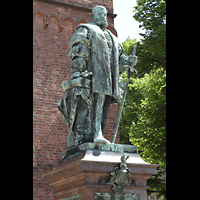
(96, 56)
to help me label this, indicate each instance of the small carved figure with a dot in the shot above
(119, 178)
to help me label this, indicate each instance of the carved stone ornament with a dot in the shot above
(119, 178)
(110, 196)
(75, 197)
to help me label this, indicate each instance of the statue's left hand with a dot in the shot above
(127, 62)
(132, 60)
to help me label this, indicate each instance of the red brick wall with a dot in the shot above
(91, 3)
(53, 26)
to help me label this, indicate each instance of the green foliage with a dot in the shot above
(148, 131)
(152, 16)
(143, 121)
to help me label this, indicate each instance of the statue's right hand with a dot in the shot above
(81, 74)
(76, 74)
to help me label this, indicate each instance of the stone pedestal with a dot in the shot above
(79, 175)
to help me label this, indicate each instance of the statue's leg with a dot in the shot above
(105, 110)
(99, 100)
(98, 114)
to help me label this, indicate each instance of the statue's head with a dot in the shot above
(99, 16)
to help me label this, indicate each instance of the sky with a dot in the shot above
(124, 23)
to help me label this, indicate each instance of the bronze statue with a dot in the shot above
(97, 59)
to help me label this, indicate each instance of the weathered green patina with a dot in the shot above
(97, 59)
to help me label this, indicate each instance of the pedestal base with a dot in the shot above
(102, 147)
(77, 177)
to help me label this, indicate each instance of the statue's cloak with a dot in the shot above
(105, 75)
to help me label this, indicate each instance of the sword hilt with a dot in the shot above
(132, 60)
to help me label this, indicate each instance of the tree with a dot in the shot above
(143, 121)
(152, 16)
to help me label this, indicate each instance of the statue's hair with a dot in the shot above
(93, 10)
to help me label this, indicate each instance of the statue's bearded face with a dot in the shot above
(99, 16)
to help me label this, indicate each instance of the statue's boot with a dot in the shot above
(102, 140)
(98, 138)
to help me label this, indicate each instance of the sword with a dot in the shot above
(131, 69)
